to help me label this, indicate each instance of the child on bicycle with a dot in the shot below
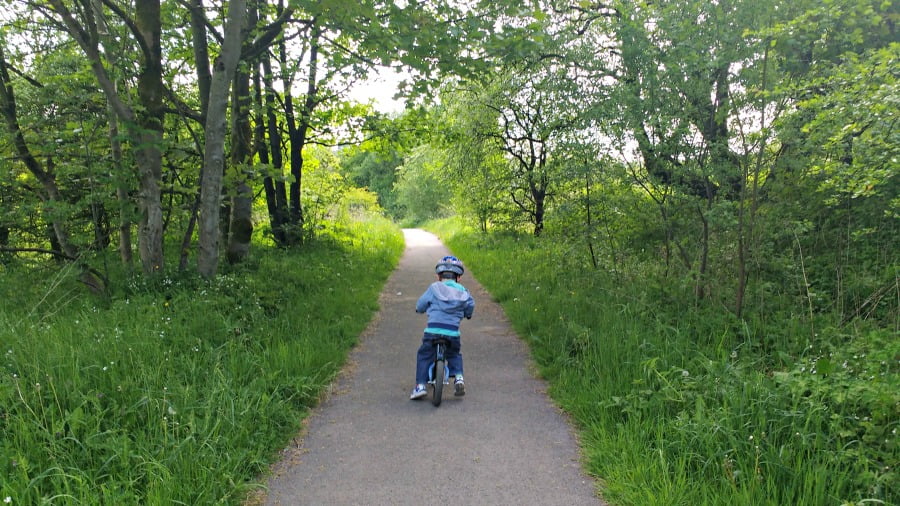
(446, 302)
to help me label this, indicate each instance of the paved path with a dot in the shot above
(503, 443)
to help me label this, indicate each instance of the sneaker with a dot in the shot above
(459, 388)
(419, 392)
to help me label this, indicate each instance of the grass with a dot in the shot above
(176, 391)
(676, 405)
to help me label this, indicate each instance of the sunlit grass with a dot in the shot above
(179, 391)
(676, 406)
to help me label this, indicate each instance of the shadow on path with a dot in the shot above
(503, 443)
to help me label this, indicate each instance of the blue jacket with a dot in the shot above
(446, 303)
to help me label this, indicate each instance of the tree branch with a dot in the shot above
(145, 48)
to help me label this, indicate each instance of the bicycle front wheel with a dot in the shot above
(439, 366)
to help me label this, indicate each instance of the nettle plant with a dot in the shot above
(852, 394)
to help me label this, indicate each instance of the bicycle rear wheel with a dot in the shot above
(439, 366)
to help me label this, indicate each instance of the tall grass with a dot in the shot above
(677, 405)
(177, 391)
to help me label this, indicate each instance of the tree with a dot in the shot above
(834, 173)
(214, 154)
(478, 166)
(682, 73)
(422, 189)
(529, 106)
(144, 120)
(368, 167)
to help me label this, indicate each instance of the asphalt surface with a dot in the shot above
(503, 443)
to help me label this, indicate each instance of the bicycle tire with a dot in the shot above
(438, 382)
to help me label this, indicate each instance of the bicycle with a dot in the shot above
(438, 369)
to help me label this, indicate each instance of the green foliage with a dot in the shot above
(855, 382)
(368, 169)
(177, 390)
(64, 126)
(853, 125)
(424, 187)
(835, 177)
(324, 189)
(465, 127)
(679, 403)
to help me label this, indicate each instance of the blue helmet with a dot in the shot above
(450, 264)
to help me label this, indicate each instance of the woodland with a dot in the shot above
(689, 209)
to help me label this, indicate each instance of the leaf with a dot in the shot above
(825, 367)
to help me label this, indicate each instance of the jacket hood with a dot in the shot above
(450, 291)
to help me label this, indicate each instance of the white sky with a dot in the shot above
(380, 89)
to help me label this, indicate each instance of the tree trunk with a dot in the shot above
(537, 185)
(298, 134)
(241, 227)
(700, 286)
(589, 225)
(100, 221)
(4, 224)
(241, 223)
(150, 122)
(204, 82)
(188, 234)
(538, 212)
(201, 55)
(746, 224)
(54, 242)
(276, 192)
(125, 210)
(4, 229)
(214, 151)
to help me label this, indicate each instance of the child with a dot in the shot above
(446, 302)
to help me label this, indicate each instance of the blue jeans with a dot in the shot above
(425, 357)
